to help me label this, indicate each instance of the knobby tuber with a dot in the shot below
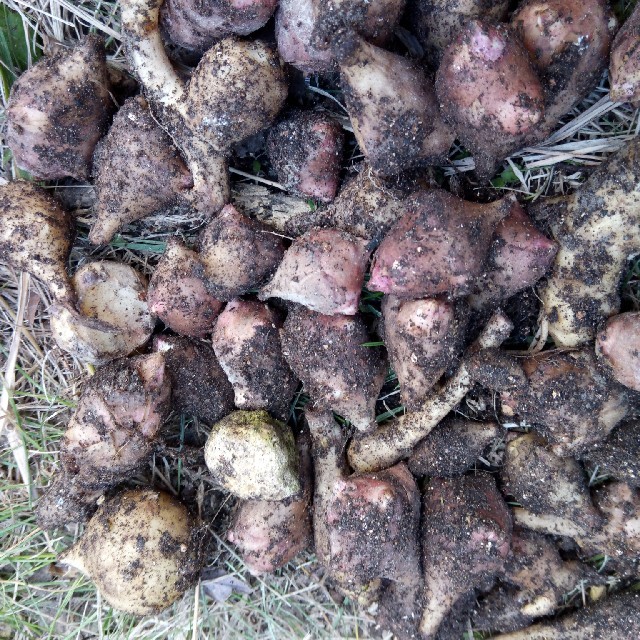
(253, 456)
(178, 292)
(268, 534)
(322, 270)
(489, 92)
(393, 109)
(246, 341)
(452, 448)
(112, 316)
(618, 346)
(36, 236)
(141, 548)
(624, 64)
(338, 372)
(305, 150)
(422, 338)
(58, 110)
(199, 386)
(466, 538)
(597, 230)
(238, 253)
(138, 171)
(395, 440)
(439, 245)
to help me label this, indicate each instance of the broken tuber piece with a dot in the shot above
(199, 386)
(436, 23)
(269, 534)
(549, 488)
(395, 440)
(246, 341)
(58, 111)
(489, 93)
(238, 253)
(365, 527)
(618, 346)
(569, 42)
(597, 228)
(141, 549)
(393, 109)
(253, 456)
(306, 152)
(178, 294)
(338, 372)
(619, 454)
(466, 539)
(624, 64)
(112, 317)
(569, 401)
(196, 25)
(616, 617)
(422, 338)
(114, 427)
(518, 257)
(439, 245)
(36, 236)
(138, 171)
(452, 448)
(322, 270)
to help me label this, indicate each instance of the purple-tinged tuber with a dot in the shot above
(58, 110)
(618, 346)
(624, 64)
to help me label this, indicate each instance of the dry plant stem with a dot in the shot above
(395, 440)
(8, 426)
(168, 93)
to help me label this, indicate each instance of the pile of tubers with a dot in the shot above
(412, 514)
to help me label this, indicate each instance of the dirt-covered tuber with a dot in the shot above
(618, 346)
(624, 64)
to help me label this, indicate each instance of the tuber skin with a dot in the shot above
(142, 550)
(217, 109)
(199, 386)
(178, 292)
(269, 534)
(617, 617)
(66, 500)
(58, 110)
(549, 488)
(569, 45)
(618, 347)
(489, 93)
(452, 448)
(322, 270)
(306, 152)
(393, 109)
(439, 245)
(422, 338)
(253, 456)
(246, 341)
(295, 23)
(466, 538)
(624, 64)
(364, 207)
(112, 431)
(138, 171)
(619, 454)
(112, 317)
(338, 373)
(396, 439)
(534, 584)
(36, 235)
(365, 527)
(437, 22)
(597, 230)
(197, 25)
(518, 257)
(238, 253)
